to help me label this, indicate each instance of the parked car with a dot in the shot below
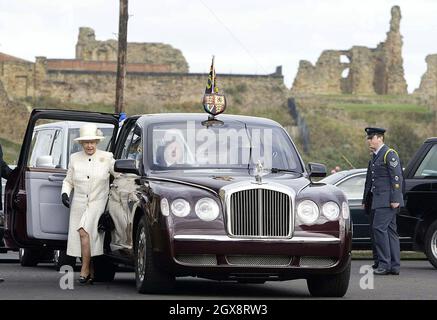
(351, 182)
(3, 249)
(52, 144)
(419, 215)
(178, 212)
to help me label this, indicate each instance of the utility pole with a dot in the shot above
(121, 60)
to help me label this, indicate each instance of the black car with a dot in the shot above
(418, 217)
(225, 197)
(351, 182)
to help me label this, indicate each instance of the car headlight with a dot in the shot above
(207, 209)
(180, 208)
(308, 211)
(331, 210)
(165, 208)
(345, 210)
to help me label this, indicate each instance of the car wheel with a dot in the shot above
(60, 258)
(104, 269)
(29, 257)
(149, 278)
(330, 285)
(431, 243)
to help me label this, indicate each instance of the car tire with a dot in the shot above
(330, 285)
(431, 243)
(60, 258)
(104, 269)
(29, 257)
(148, 276)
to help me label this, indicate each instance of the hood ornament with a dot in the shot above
(259, 172)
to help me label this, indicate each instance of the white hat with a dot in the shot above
(89, 131)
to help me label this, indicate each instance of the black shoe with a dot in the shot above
(87, 279)
(395, 272)
(375, 266)
(381, 272)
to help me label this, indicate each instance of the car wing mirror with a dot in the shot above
(316, 170)
(126, 166)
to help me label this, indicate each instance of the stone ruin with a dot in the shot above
(428, 83)
(360, 70)
(90, 49)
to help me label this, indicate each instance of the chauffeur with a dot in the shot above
(383, 198)
(88, 174)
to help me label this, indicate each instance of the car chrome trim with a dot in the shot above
(183, 182)
(195, 237)
(228, 190)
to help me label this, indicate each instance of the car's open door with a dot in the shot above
(34, 214)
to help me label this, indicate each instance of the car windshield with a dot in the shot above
(230, 145)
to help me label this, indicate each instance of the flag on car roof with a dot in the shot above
(213, 102)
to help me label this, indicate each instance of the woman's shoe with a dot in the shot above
(83, 280)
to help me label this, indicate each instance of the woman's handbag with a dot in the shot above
(106, 224)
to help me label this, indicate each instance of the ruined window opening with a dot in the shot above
(345, 73)
(344, 59)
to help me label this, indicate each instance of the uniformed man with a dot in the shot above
(382, 199)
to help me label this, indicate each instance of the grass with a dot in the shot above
(380, 107)
(10, 151)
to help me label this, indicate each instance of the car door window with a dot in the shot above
(133, 147)
(56, 151)
(428, 167)
(353, 187)
(42, 143)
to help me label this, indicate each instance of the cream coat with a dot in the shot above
(88, 176)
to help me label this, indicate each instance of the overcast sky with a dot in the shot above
(246, 36)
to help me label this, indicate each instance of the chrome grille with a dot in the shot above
(317, 262)
(198, 259)
(252, 260)
(260, 212)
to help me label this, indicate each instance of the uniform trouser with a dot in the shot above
(372, 238)
(386, 238)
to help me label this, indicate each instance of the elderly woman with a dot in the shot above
(88, 175)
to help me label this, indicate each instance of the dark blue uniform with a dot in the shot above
(384, 186)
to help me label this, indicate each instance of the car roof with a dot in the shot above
(176, 117)
(431, 140)
(71, 125)
(336, 177)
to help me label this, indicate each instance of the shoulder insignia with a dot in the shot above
(387, 152)
(394, 164)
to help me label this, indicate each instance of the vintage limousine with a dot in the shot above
(226, 198)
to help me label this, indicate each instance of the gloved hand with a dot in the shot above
(66, 200)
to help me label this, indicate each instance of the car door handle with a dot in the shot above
(113, 185)
(54, 178)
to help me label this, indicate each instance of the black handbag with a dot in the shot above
(106, 224)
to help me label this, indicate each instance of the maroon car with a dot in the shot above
(225, 198)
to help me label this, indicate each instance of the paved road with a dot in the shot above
(417, 281)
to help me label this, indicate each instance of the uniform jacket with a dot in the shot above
(88, 178)
(5, 171)
(384, 180)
